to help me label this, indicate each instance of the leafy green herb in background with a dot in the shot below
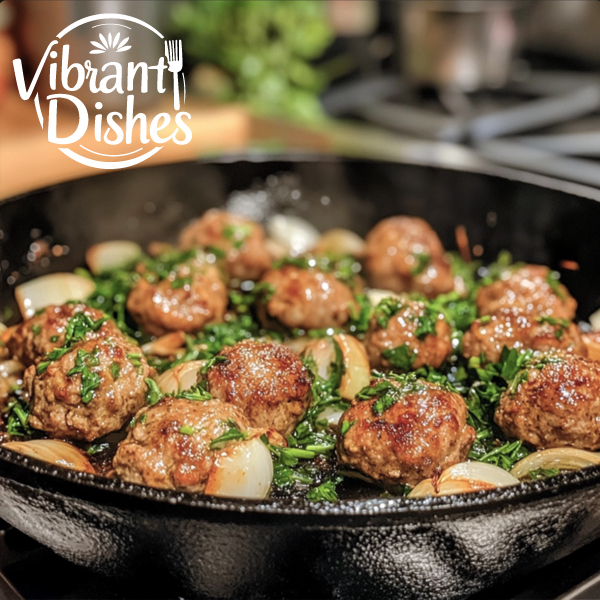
(260, 52)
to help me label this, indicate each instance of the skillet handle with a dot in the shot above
(7, 591)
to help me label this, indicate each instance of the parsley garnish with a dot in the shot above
(400, 357)
(90, 380)
(422, 259)
(233, 433)
(187, 430)
(153, 394)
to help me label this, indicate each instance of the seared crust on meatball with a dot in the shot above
(242, 241)
(187, 300)
(423, 432)
(488, 335)
(266, 381)
(306, 299)
(93, 389)
(557, 405)
(168, 447)
(530, 289)
(404, 254)
(409, 327)
(42, 333)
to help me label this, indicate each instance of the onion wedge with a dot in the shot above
(463, 478)
(54, 452)
(166, 345)
(340, 242)
(180, 378)
(243, 470)
(56, 288)
(357, 372)
(108, 256)
(568, 459)
(375, 295)
(294, 233)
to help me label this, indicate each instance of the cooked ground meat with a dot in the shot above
(530, 289)
(191, 297)
(557, 405)
(242, 241)
(266, 381)
(42, 333)
(404, 254)
(105, 389)
(306, 299)
(423, 432)
(513, 329)
(169, 445)
(425, 334)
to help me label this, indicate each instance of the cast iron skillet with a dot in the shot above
(359, 548)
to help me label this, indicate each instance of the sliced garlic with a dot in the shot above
(180, 378)
(56, 288)
(568, 459)
(112, 255)
(166, 345)
(294, 233)
(340, 242)
(55, 452)
(243, 470)
(463, 478)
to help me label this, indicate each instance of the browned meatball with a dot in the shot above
(42, 333)
(531, 289)
(93, 389)
(242, 241)
(406, 433)
(169, 445)
(267, 381)
(423, 332)
(509, 327)
(187, 300)
(307, 299)
(557, 405)
(404, 254)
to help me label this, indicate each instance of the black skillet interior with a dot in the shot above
(537, 224)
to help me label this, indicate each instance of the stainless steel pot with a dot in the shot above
(459, 44)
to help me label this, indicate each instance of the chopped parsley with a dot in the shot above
(400, 357)
(37, 329)
(234, 433)
(115, 370)
(560, 324)
(90, 380)
(422, 259)
(17, 422)
(153, 394)
(187, 430)
(237, 234)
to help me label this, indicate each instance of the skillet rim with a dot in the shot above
(113, 491)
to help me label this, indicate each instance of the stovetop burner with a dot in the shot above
(547, 122)
(29, 570)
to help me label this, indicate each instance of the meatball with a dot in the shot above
(242, 241)
(188, 299)
(509, 327)
(408, 431)
(404, 254)
(169, 444)
(266, 381)
(93, 389)
(555, 403)
(531, 289)
(423, 332)
(306, 299)
(44, 332)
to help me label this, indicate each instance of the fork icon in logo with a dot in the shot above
(174, 55)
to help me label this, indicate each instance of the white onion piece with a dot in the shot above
(357, 373)
(297, 345)
(294, 233)
(569, 459)
(243, 470)
(180, 378)
(11, 367)
(55, 452)
(108, 256)
(332, 414)
(56, 288)
(322, 352)
(463, 478)
(166, 345)
(595, 321)
(340, 241)
(375, 295)
(592, 343)
(276, 249)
